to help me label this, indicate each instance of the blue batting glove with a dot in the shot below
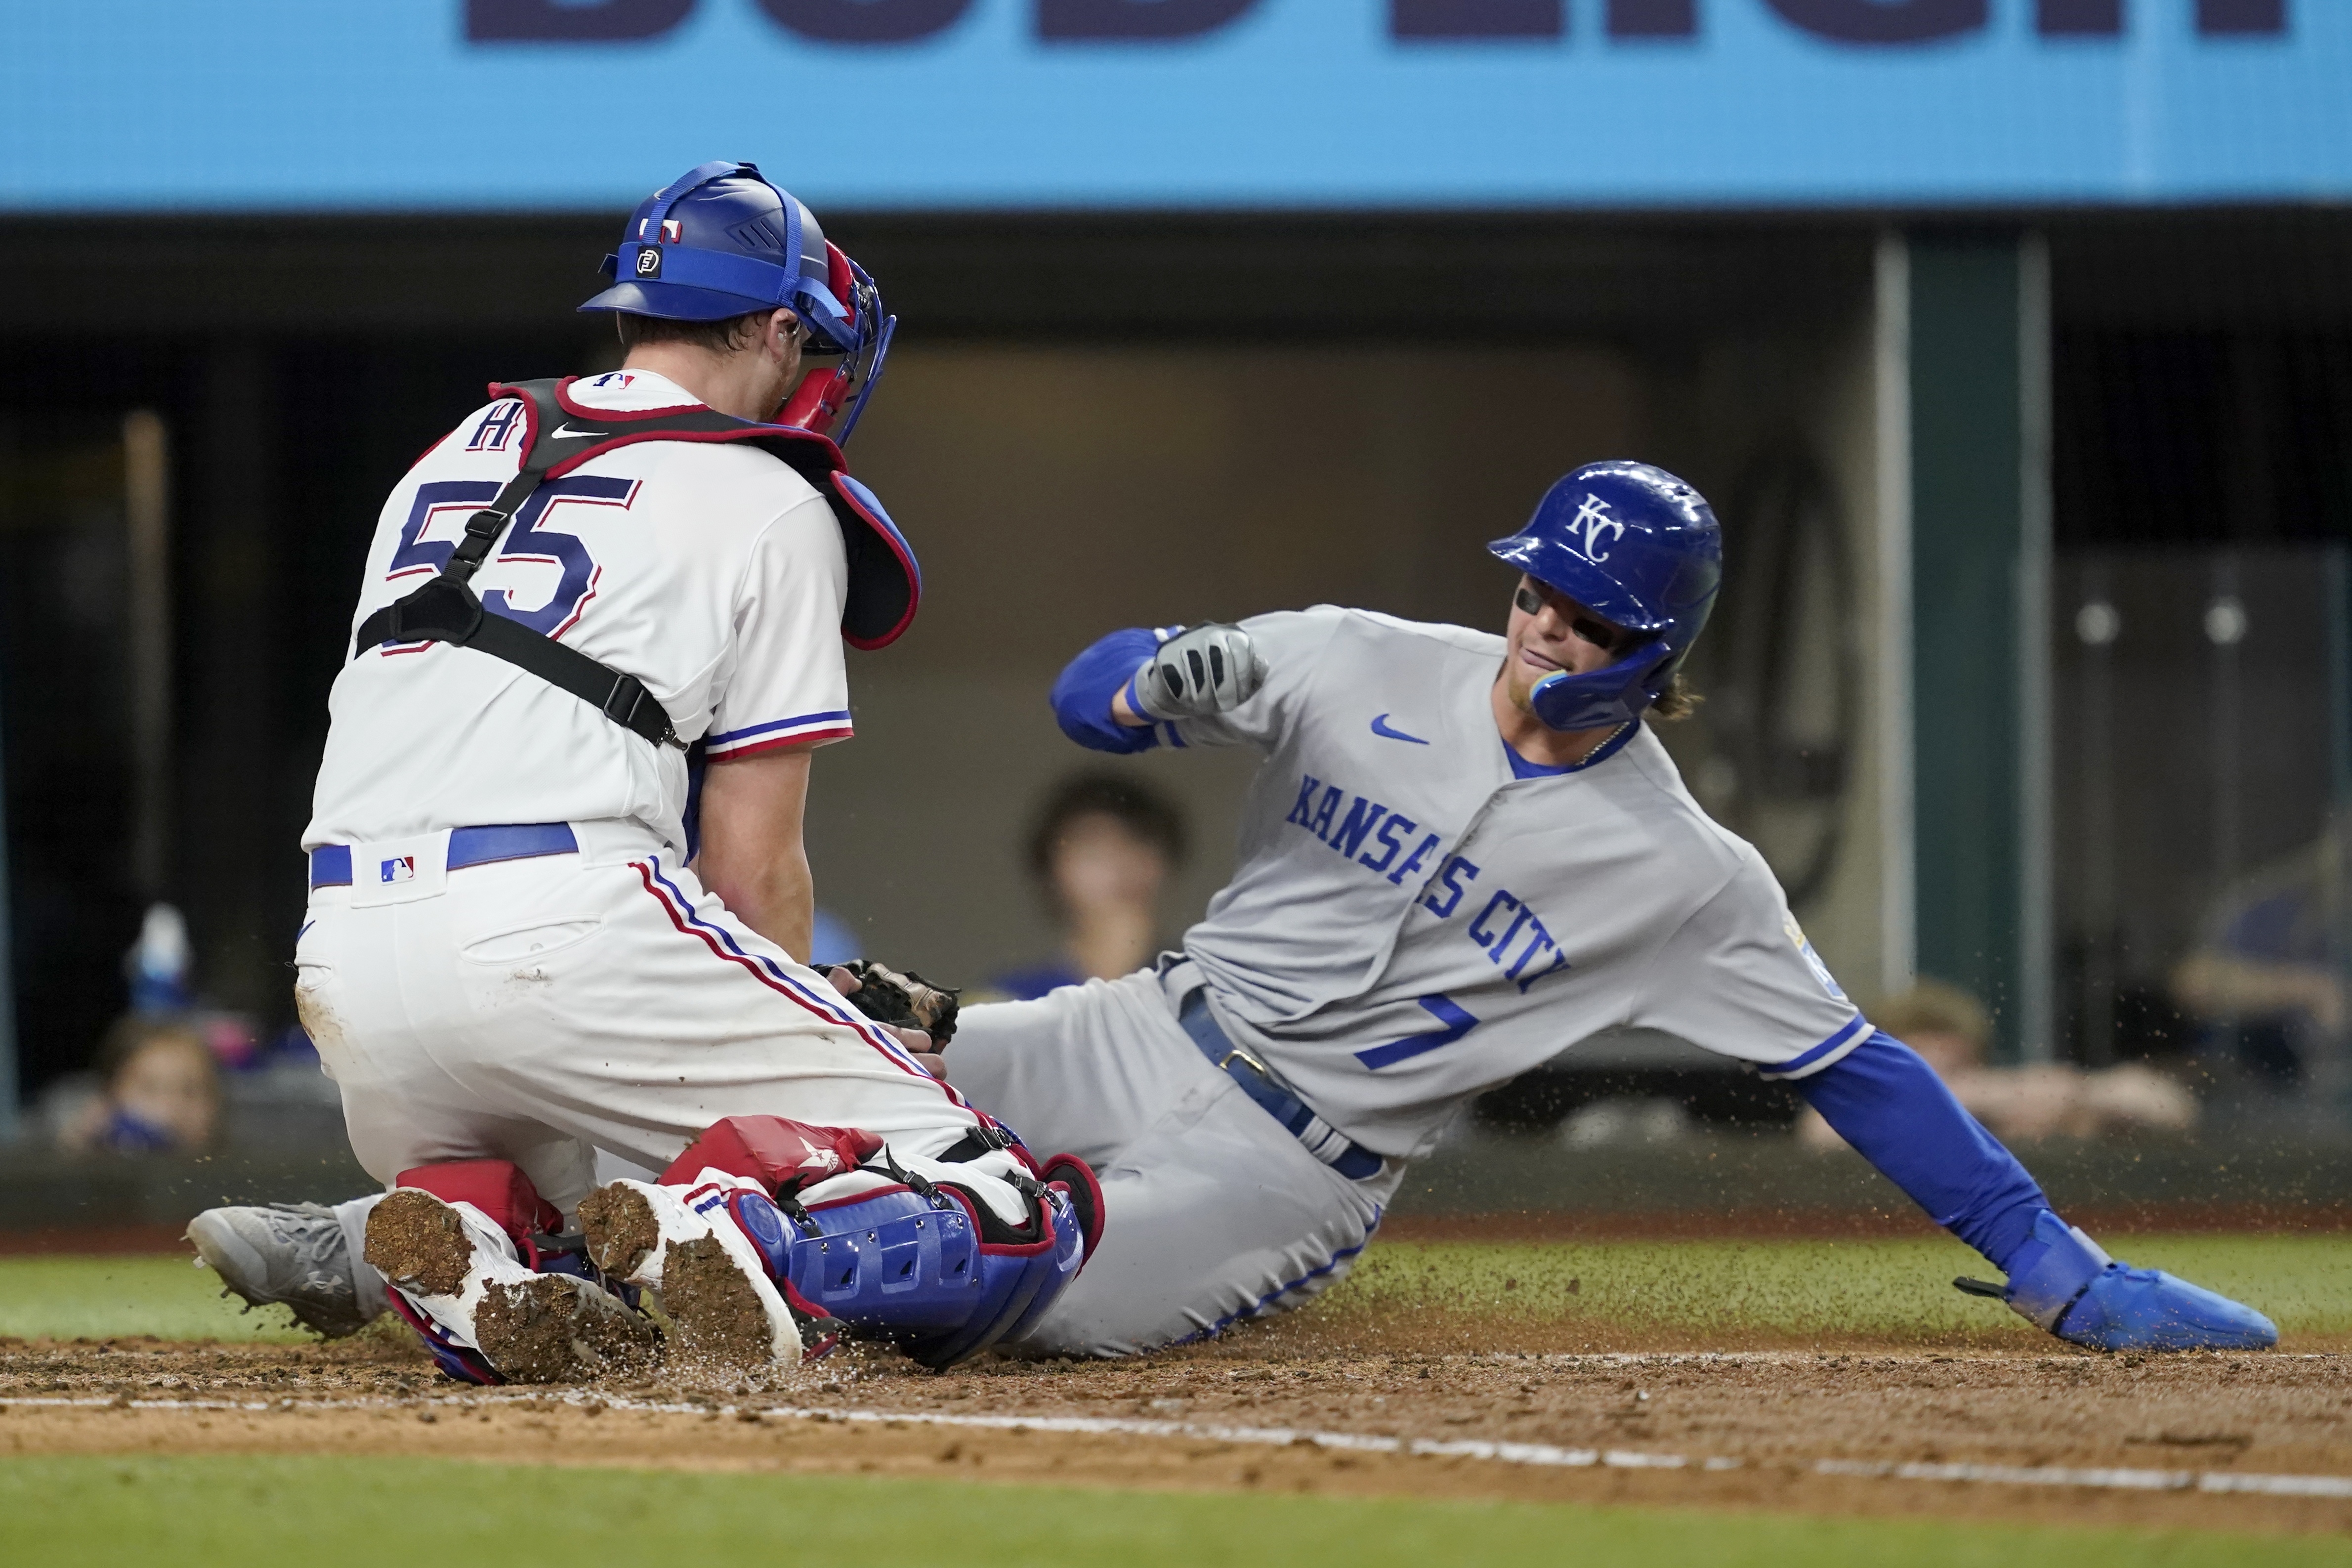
(2062, 1280)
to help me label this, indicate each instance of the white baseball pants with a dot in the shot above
(541, 1010)
(1213, 1211)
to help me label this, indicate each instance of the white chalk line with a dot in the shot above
(2110, 1478)
(1536, 1455)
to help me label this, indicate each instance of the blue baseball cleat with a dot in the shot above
(2064, 1282)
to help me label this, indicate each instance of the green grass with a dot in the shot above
(105, 1298)
(194, 1511)
(249, 1512)
(1863, 1287)
(1899, 1287)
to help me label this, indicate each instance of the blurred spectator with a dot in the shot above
(2265, 976)
(157, 964)
(157, 967)
(1102, 850)
(157, 1083)
(158, 1091)
(1951, 1030)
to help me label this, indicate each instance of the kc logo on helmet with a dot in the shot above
(648, 261)
(1599, 528)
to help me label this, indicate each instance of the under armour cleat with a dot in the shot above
(682, 1244)
(289, 1255)
(2066, 1283)
(460, 1271)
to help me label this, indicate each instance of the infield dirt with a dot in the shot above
(1777, 1413)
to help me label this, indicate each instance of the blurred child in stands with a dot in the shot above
(1101, 853)
(1951, 1030)
(2267, 975)
(155, 1085)
(160, 1091)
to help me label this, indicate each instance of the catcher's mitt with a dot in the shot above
(905, 1000)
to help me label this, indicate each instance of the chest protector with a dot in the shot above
(559, 436)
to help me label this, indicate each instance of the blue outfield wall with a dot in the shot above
(556, 105)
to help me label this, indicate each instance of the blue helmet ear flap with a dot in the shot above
(1614, 694)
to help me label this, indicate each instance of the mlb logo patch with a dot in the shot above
(1811, 956)
(399, 868)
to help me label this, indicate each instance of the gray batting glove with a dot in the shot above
(1208, 670)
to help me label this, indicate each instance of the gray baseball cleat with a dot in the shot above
(291, 1255)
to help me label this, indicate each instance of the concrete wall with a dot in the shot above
(1057, 494)
(1741, 418)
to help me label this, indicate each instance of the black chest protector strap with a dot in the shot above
(446, 609)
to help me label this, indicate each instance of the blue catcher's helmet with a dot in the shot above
(721, 241)
(1638, 547)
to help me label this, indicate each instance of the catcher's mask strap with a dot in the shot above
(719, 169)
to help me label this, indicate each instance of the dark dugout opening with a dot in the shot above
(300, 364)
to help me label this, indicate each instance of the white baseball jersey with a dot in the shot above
(1413, 924)
(712, 572)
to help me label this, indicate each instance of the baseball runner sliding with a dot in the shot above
(1461, 851)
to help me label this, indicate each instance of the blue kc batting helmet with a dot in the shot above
(721, 241)
(1637, 547)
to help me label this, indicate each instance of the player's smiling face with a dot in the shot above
(1549, 633)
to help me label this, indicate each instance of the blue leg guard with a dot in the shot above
(923, 1266)
(2062, 1281)
(1028, 1278)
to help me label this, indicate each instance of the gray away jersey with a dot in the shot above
(1412, 924)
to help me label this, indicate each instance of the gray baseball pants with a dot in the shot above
(1213, 1212)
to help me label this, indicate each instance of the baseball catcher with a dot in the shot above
(595, 609)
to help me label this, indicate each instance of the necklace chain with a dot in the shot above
(1607, 740)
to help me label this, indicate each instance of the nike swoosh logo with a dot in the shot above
(1380, 728)
(566, 432)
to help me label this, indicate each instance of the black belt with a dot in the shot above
(1322, 1140)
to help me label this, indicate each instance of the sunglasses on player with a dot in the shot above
(1591, 627)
